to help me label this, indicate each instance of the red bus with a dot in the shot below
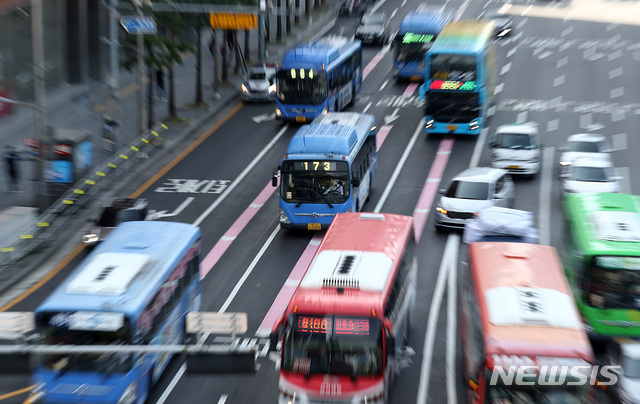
(342, 331)
(522, 337)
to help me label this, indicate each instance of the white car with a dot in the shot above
(517, 148)
(501, 224)
(590, 175)
(624, 352)
(260, 85)
(583, 145)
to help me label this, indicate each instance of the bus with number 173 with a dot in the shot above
(342, 331)
(134, 288)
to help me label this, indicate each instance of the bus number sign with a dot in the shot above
(314, 165)
(320, 325)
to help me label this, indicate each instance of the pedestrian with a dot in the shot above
(11, 162)
(160, 85)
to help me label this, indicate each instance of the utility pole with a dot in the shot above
(143, 112)
(112, 119)
(261, 32)
(39, 97)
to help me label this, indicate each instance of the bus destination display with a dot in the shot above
(410, 37)
(453, 85)
(323, 325)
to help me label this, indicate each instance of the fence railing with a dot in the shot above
(48, 224)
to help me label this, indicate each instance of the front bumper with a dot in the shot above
(518, 167)
(257, 96)
(444, 221)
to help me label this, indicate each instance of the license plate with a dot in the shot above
(301, 119)
(314, 226)
(512, 167)
(452, 127)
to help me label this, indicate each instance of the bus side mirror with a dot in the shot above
(276, 334)
(391, 346)
(355, 182)
(274, 178)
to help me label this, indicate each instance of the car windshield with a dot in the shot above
(468, 190)
(584, 147)
(372, 22)
(412, 46)
(333, 345)
(305, 87)
(614, 283)
(590, 174)
(258, 76)
(514, 141)
(631, 367)
(315, 184)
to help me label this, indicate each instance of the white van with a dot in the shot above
(516, 148)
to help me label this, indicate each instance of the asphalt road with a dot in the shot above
(569, 76)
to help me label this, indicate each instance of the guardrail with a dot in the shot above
(48, 224)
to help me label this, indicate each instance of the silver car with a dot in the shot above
(260, 85)
(590, 145)
(471, 191)
(625, 353)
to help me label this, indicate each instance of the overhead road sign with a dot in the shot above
(138, 24)
(233, 20)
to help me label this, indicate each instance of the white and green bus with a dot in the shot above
(602, 261)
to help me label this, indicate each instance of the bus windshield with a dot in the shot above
(548, 394)
(315, 185)
(413, 47)
(452, 106)
(56, 330)
(615, 282)
(308, 87)
(334, 345)
(453, 67)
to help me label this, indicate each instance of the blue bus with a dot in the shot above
(136, 287)
(459, 78)
(329, 168)
(318, 77)
(417, 32)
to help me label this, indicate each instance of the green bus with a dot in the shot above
(602, 261)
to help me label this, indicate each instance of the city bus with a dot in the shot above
(602, 261)
(522, 338)
(459, 78)
(415, 36)
(329, 167)
(318, 77)
(342, 331)
(134, 288)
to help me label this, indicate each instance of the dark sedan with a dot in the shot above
(373, 29)
(504, 23)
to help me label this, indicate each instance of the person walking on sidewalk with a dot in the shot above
(11, 162)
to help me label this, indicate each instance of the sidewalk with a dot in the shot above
(80, 107)
(83, 106)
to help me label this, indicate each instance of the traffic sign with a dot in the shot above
(138, 24)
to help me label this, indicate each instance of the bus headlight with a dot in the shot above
(284, 219)
(429, 124)
(278, 112)
(272, 89)
(244, 88)
(287, 396)
(90, 238)
(37, 394)
(129, 396)
(325, 110)
(473, 125)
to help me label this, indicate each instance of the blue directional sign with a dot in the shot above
(138, 24)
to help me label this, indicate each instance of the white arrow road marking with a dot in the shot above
(160, 214)
(264, 117)
(390, 118)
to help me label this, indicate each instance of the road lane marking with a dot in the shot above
(452, 335)
(522, 117)
(562, 62)
(546, 183)
(625, 183)
(559, 80)
(223, 399)
(616, 92)
(505, 68)
(619, 141)
(450, 249)
(383, 132)
(617, 72)
(239, 179)
(553, 125)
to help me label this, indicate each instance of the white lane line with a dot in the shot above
(249, 269)
(396, 172)
(522, 117)
(563, 61)
(616, 92)
(611, 26)
(393, 13)
(552, 125)
(617, 115)
(172, 384)
(586, 120)
(625, 183)
(243, 174)
(223, 399)
(546, 183)
(567, 31)
(491, 111)
(558, 80)
(452, 335)
(384, 84)
(477, 149)
(367, 107)
(619, 141)
(378, 5)
(505, 68)
(521, 23)
(511, 52)
(498, 89)
(617, 72)
(614, 55)
(564, 46)
(450, 253)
